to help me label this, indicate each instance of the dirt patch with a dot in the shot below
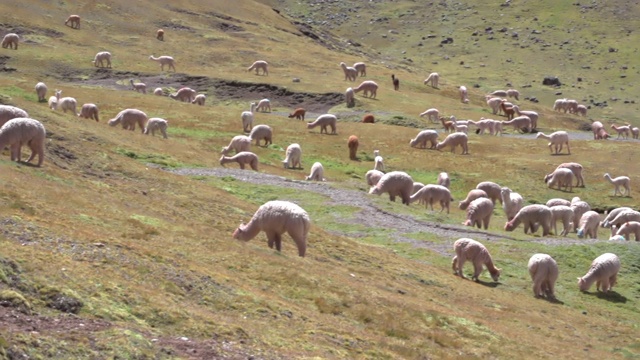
(3, 61)
(226, 27)
(21, 30)
(14, 321)
(174, 26)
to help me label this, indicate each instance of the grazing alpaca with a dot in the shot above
(532, 216)
(544, 273)
(242, 158)
(589, 224)
(264, 105)
(430, 193)
(293, 157)
(247, 117)
(10, 41)
(432, 114)
(557, 139)
(520, 123)
(23, 131)
(156, 124)
(41, 90)
(239, 143)
(635, 132)
(433, 79)
(507, 109)
(396, 183)
(260, 65)
(472, 195)
(463, 94)
(160, 34)
(139, 87)
(453, 140)
(184, 94)
(66, 103)
(448, 126)
(164, 60)
(262, 132)
(74, 20)
(158, 92)
(603, 271)
(317, 172)
(420, 141)
(618, 182)
(199, 99)
(89, 111)
(582, 110)
(350, 73)
(396, 82)
(129, 118)
(367, 87)
(479, 213)
(474, 251)
(101, 57)
(576, 169)
(361, 67)
(368, 119)
(298, 114)
(275, 218)
(622, 130)
(324, 121)
(373, 177)
(444, 180)
(530, 114)
(353, 147)
(350, 97)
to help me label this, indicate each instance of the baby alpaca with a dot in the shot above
(41, 90)
(603, 271)
(432, 114)
(589, 224)
(260, 65)
(74, 21)
(239, 143)
(353, 143)
(199, 99)
(317, 172)
(396, 183)
(622, 131)
(368, 119)
(242, 158)
(261, 132)
(275, 218)
(432, 79)
(423, 136)
(138, 86)
(129, 118)
(453, 140)
(292, 160)
(264, 105)
(618, 182)
(10, 41)
(156, 124)
(160, 34)
(544, 273)
(474, 251)
(298, 114)
(158, 92)
(324, 121)
(532, 216)
(23, 131)
(164, 60)
(479, 213)
(89, 111)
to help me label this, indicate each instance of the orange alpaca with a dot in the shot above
(353, 147)
(508, 110)
(160, 34)
(298, 114)
(448, 125)
(368, 119)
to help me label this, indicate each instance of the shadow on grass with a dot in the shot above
(488, 284)
(611, 296)
(560, 154)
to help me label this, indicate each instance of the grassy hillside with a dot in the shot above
(106, 253)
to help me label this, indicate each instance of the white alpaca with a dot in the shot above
(350, 97)
(606, 222)
(242, 158)
(564, 214)
(493, 190)
(138, 86)
(423, 136)
(368, 87)
(317, 172)
(603, 271)
(41, 90)
(199, 99)
(558, 202)
(628, 228)
(512, 202)
(582, 110)
(431, 193)
(293, 157)
(264, 105)
(53, 101)
(532, 216)
(560, 105)
(479, 213)
(164, 60)
(432, 114)
(544, 273)
(74, 20)
(620, 181)
(576, 169)
(184, 94)
(8, 112)
(361, 67)
(275, 218)
(499, 93)
(561, 178)
(444, 180)
(461, 128)
(66, 103)
(472, 195)
(10, 41)
(378, 161)
(89, 111)
(530, 114)
(494, 103)
(557, 139)
(129, 118)
(635, 132)
(571, 106)
(239, 143)
(262, 132)
(158, 92)
(623, 217)
(101, 57)
(432, 79)
(396, 183)
(23, 131)
(154, 124)
(260, 65)
(589, 224)
(464, 96)
(513, 93)
(519, 123)
(453, 140)
(622, 131)
(474, 251)
(247, 117)
(324, 121)
(579, 208)
(350, 73)
(373, 177)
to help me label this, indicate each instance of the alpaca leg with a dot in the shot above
(604, 285)
(461, 261)
(278, 241)
(612, 280)
(537, 288)
(568, 149)
(477, 270)
(241, 165)
(271, 238)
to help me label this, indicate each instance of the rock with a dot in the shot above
(296, 80)
(551, 81)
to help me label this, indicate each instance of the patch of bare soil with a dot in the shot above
(21, 30)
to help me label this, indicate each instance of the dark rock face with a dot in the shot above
(551, 81)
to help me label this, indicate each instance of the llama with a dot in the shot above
(247, 117)
(164, 60)
(184, 94)
(432, 114)
(324, 121)
(138, 86)
(41, 90)
(352, 144)
(242, 158)
(10, 41)
(350, 97)
(154, 124)
(464, 97)
(264, 105)
(239, 143)
(396, 183)
(317, 172)
(361, 67)
(474, 251)
(350, 73)
(396, 82)
(275, 218)
(367, 87)
(298, 114)
(433, 193)
(368, 119)
(432, 79)
(129, 118)
(23, 131)
(472, 195)
(532, 216)
(260, 65)
(199, 99)
(160, 34)
(262, 132)
(73, 21)
(620, 181)
(89, 111)
(293, 156)
(544, 273)
(420, 141)
(589, 224)
(603, 271)
(479, 213)
(453, 140)
(512, 202)
(622, 131)
(101, 57)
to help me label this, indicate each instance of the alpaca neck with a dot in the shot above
(491, 267)
(248, 231)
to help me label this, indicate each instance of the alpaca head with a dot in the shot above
(375, 190)
(113, 122)
(237, 234)
(222, 160)
(582, 284)
(495, 274)
(509, 226)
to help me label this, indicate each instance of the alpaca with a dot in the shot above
(622, 131)
(361, 67)
(420, 141)
(603, 271)
(101, 57)
(264, 105)
(513, 93)
(353, 143)
(369, 119)
(493, 190)
(474, 251)
(512, 202)
(606, 223)
(544, 273)
(486, 124)
(164, 60)
(532, 216)
(10, 41)
(396, 82)
(472, 195)
(432, 79)
(396, 183)
(581, 110)
(561, 178)
(597, 129)
(618, 182)
(160, 34)
(298, 114)
(184, 94)
(577, 171)
(41, 90)
(242, 158)
(247, 117)
(74, 21)
(628, 228)
(317, 172)
(239, 143)
(275, 218)
(564, 214)
(23, 131)
(324, 121)
(507, 109)
(373, 177)
(432, 114)
(261, 132)
(447, 125)
(494, 103)
(443, 179)
(350, 73)
(53, 101)
(154, 124)
(139, 87)
(453, 140)
(479, 213)
(558, 202)
(350, 97)
(8, 112)
(560, 105)
(158, 92)
(260, 65)
(89, 111)
(530, 114)
(635, 131)
(433, 193)
(498, 93)
(129, 118)
(571, 106)
(367, 87)
(464, 97)
(519, 123)
(579, 208)
(199, 99)
(589, 224)
(623, 217)
(66, 103)
(378, 161)
(293, 156)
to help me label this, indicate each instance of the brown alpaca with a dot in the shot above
(508, 110)
(74, 20)
(298, 114)
(353, 147)
(369, 118)
(160, 34)
(448, 125)
(396, 82)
